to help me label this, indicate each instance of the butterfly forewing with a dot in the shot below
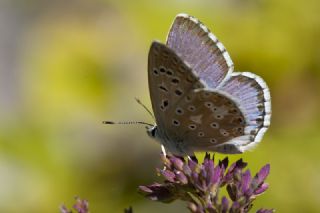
(170, 79)
(197, 46)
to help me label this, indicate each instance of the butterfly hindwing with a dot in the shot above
(253, 96)
(209, 119)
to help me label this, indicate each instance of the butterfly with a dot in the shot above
(199, 103)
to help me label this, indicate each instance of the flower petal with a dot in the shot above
(265, 211)
(232, 191)
(263, 173)
(170, 176)
(181, 177)
(159, 192)
(177, 163)
(261, 189)
(245, 181)
(224, 204)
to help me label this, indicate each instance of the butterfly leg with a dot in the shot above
(163, 150)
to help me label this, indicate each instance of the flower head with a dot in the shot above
(199, 184)
(81, 206)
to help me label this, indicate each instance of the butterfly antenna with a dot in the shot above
(144, 106)
(127, 122)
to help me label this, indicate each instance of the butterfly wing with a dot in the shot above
(200, 49)
(239, 115)
(212, 120)
(253, 96)
(170, 79)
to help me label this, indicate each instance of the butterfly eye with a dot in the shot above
(153, 132)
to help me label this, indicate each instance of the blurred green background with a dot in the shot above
(67, 65)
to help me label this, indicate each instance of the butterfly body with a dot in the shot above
(199, 103)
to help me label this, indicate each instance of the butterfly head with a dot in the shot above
(152, 131)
